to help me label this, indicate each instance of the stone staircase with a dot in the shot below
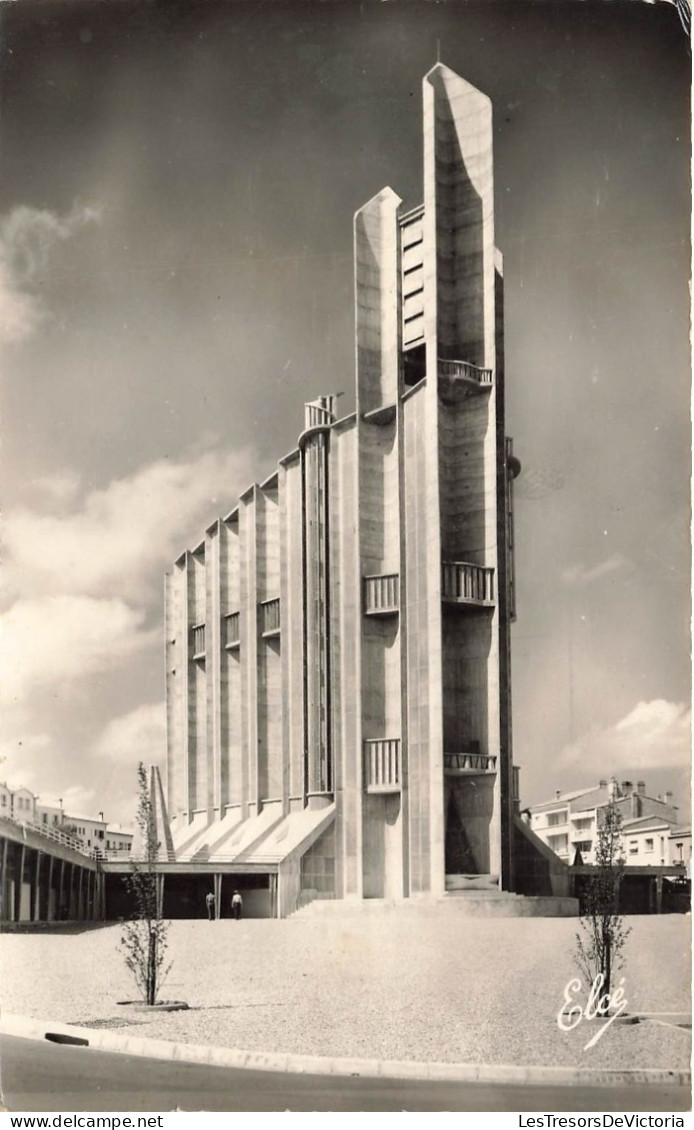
(473, 903)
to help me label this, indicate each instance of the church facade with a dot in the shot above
(338, 646)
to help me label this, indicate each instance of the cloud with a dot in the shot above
(123, 537)
(654, 735)
(127, 739)
(58, 640)
(137, 736)
(28, 237)
(580, 575)
(77, 800)
(85, 573)
(18, 312)
(62, 487)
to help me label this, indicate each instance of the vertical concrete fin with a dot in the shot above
(160, 821)
(459, 325)
(459, 187)
(377, 314)
(160, 815)
(213, 622)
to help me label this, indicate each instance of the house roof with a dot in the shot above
(644, 823)
(592, 798)
(563, 798)
(681, 830)
(596, 796)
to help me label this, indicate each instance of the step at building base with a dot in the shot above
(474, 904)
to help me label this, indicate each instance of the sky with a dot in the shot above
(179, 182)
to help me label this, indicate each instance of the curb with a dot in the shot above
(28, 1028)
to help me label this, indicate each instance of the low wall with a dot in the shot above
(537, 870)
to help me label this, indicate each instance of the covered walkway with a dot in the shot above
(45, 880)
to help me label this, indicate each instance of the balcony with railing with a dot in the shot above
(270, 618)
(232, 630)
(112, 855)
(463, 583)
(382, 769)
(459, 379)
(320, 413)
(53, 833)
(198, 641)
(382, 594)
(468, 764)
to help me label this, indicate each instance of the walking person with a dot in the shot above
(236, 905)
(209, 902)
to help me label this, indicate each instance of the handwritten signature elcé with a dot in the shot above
(598, 1004)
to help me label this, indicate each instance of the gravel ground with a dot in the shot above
(399, 985)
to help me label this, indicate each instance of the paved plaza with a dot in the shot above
(418, 984)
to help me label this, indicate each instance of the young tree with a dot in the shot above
(143, 942)
(599, 950)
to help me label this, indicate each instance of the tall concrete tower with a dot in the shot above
(432, 447)
(338, 645)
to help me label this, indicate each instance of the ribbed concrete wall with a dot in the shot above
(269, 677)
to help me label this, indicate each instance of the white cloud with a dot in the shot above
(28, 237)
(137, 736)
(44, 763)
(62, 487)
(85, 571)
(654, 735)
(123, 537)
(76, 800)
(18, 312)
(60, 639)
(578, 575)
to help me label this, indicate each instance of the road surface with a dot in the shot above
(37, 1075)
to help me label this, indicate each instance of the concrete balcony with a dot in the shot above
(270, 618)
(382, 594)
(460, 379)
(383, 415)
(320, 413)
(382, 768)
(468, 764)
(463, 583)
(516, 784)
(198, 641)
(232, 630)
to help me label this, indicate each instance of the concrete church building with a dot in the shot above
(338, 654)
